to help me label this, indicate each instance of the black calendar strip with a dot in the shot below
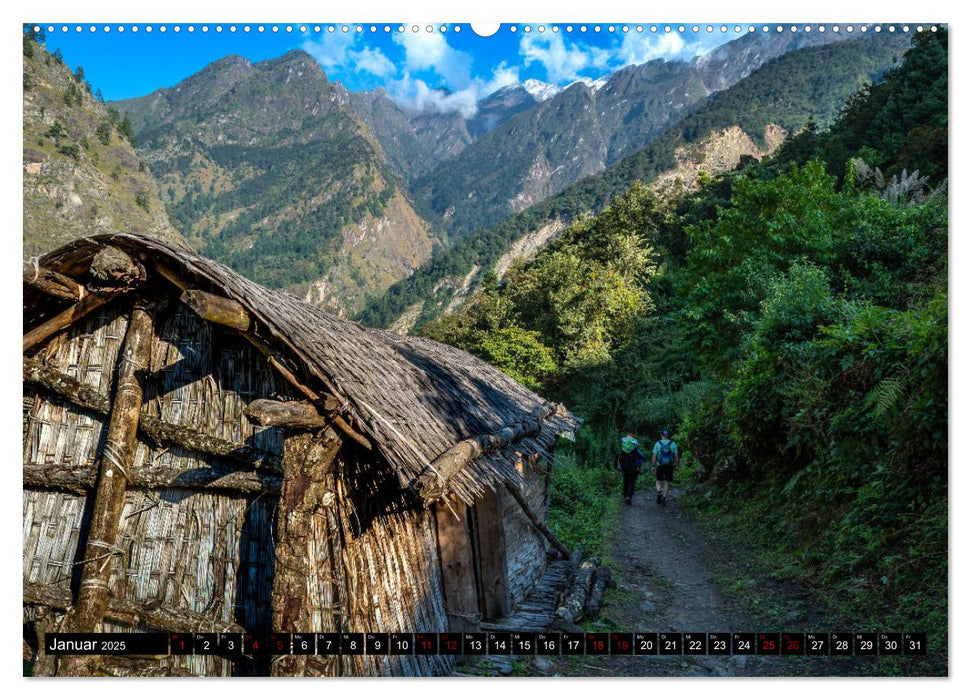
(493, 644)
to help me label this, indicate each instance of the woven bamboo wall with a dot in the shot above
(209, 553)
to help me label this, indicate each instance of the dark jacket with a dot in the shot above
(630, 461)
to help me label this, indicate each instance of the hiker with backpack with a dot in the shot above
(664, 462)
(629, 462)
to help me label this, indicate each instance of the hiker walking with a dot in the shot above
(629, 462)
(664, 462)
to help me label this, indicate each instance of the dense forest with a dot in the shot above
(789, 322)
(813, 81)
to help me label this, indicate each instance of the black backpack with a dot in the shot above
(666, 455)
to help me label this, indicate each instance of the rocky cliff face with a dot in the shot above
(721, 151)
(81, 176)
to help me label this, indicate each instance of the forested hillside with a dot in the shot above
(789, 323)
(811, 83)
(265, 168)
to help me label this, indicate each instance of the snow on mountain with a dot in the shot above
(540, 90)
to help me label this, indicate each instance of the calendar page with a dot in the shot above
(533, 349)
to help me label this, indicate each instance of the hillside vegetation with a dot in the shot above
(81, 174)
(789, 323)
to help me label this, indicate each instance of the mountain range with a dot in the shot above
(780, 96)
(285, 175)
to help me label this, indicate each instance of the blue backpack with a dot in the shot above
(666, 455)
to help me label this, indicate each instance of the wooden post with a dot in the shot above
(490, 543)
(308, 487)
(118, 454)
(458, 571)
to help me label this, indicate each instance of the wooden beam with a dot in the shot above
(51, 283)
(308, 488)
(73, 313)
(81, 480)
(297, 415)
(48, 379)
(432, 483)
(284, 414)
(160, 616)
(536, 522)
(118, 454)
(217, 309)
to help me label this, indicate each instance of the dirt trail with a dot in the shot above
(667, 568)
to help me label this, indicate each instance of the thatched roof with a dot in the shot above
(413, 397)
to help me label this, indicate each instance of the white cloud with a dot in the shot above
(502, 75)
(373, 61)
(336, 52)
(640, 48)
(566, 61)
(561, 62)
(430, 51)
(415, 93)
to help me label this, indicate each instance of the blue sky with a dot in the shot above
(412, 65)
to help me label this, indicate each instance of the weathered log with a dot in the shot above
(160, 616)
(601, 582)
(432, 483)
(51, 283)
(536, 522)
(572, 608)
(575, 560)
(217, 309)
(118, 454)
(75, 312)
(114, 268)
(295, 415)
(48, 379)
(81, 480)
(308, 487)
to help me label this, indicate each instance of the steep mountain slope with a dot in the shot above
(415, 141)
(265, 167)
(81, 176)
(418, 140)
(785, 92)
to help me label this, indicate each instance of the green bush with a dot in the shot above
(584, 507)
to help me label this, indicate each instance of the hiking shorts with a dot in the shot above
(665, 473)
